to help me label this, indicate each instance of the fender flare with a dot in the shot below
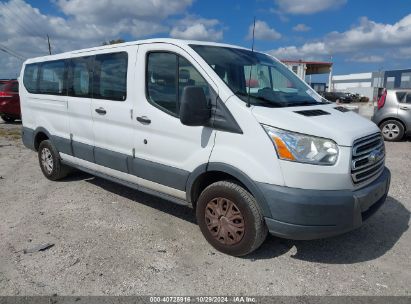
(43, 130)
(236, 173)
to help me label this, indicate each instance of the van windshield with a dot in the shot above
(258, 77)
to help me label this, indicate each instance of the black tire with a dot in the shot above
(392, 130)
(7, 118)
(50, 162)
(235, 199)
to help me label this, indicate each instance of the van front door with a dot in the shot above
(166, 151)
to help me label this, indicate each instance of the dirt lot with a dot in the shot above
(110, 240)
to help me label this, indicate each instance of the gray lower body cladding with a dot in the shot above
(159, 173)
(311, 214)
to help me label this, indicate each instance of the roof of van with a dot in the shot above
(177, 42)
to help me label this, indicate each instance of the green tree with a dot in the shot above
(113, 41)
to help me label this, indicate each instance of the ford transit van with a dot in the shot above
(231, 131)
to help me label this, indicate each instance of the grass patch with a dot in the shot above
(10, 133)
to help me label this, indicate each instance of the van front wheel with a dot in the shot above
(50, 163)
(230, 218)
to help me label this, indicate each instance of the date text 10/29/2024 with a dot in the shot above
(205, 299)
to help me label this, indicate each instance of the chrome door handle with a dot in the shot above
(404, 108)
(101, 111)
(144, 120)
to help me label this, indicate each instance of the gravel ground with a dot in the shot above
(111, 240)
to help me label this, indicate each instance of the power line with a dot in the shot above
(21, 21)
(34, 21)
(16, 20)
(11, 52)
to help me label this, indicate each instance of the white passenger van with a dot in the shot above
(231, 131)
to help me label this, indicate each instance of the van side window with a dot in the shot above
(189, 76)
(30, 77)
(52, 76)
(110, 76)
(161, 81)
(408, 98)
(167, 76)
(79, 85)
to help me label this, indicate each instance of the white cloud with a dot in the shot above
(301, 27)
(87, 23)
(367, 59)
(305, 7)
(262, 31)
(403, 53)
(84, 23)
(368, 35)
(192, 27)
(10, 66)
(108, 11)
(308, 51)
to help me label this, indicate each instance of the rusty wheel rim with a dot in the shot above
(224, 221)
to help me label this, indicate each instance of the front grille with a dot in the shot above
(368, 158)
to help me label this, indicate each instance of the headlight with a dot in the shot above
(303, 148)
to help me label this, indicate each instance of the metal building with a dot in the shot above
(304, 69)
(370, 84)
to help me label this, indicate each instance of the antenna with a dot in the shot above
(251, 67)
(48, 41)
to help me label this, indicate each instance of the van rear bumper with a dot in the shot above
(312, 214)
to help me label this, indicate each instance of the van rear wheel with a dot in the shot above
(230, 218)
(50, 163)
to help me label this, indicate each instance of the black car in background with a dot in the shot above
(338, 97)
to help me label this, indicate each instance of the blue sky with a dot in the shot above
(360, 36)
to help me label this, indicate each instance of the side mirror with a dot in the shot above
(194, 108)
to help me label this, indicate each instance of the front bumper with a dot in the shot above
(312, 214)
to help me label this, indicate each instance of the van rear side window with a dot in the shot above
(30, 77)
(110, 76)
(52, 78)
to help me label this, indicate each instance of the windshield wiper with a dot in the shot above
(270, 102)
(265, 101)
(305, 103)
(240, 93)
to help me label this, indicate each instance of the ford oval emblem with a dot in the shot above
(375, 156)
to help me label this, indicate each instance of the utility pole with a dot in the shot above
(330, 76)
(48, 41)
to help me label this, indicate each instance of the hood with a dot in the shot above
(342, 127)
